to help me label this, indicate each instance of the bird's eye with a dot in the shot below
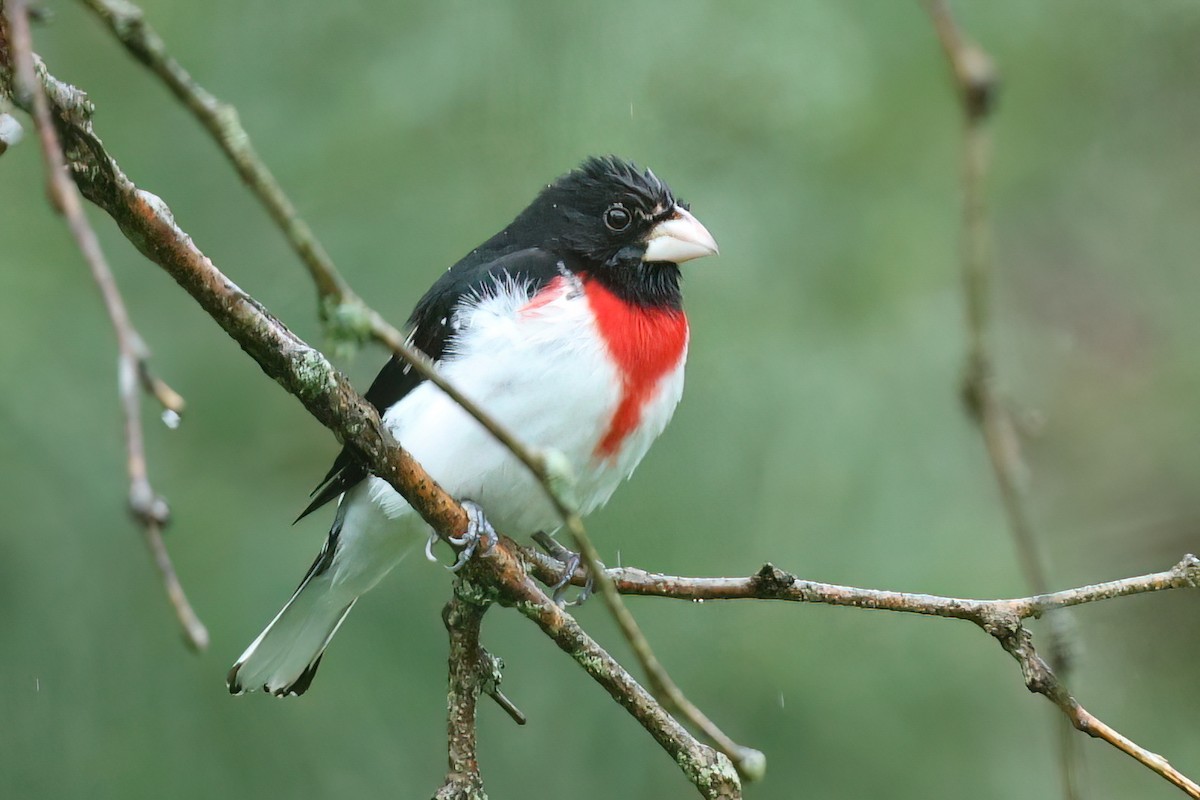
(616, 218)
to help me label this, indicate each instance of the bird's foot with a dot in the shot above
(571, 561)
(479, 534)
(559, 590)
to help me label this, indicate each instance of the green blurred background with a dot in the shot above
(820, 428)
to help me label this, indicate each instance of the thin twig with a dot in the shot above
(772, 583)
(1040, 678)
(976, 80)
(148, 508)
(127, 22)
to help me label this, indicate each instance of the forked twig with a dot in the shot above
(148, 508)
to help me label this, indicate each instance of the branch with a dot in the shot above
(1040, 678)
(127, 23)
(149, 509)
(340, 305)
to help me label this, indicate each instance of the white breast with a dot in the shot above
(542, 372)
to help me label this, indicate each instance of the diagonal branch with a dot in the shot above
(348, 313)
(1040, 678)
(149, 509)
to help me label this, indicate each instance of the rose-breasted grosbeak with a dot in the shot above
(567, 327)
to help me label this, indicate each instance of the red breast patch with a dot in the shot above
(646, 344)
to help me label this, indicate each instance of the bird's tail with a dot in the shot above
(285, 656)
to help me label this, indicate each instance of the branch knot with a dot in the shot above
(771, 580)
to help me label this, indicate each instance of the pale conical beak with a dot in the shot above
(678, 239)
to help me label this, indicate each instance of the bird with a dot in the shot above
(568, 328)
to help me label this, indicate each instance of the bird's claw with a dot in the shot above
(560, 587)
(479, 533)
(585, 591)
(571, 561)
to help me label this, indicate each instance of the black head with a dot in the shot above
(612, 215)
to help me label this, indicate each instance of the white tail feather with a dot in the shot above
(284, 657)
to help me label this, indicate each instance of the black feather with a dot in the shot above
(301, 684)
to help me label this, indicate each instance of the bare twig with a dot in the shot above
(339, 303)
(127, 22)
(148, 508)
(976, 80)
(772, 583)
(1040, 678)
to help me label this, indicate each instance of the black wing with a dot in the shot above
(433, 330)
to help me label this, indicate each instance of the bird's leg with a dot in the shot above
(571, 561)
(479, 533)
(559, 589)
(586, 591)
